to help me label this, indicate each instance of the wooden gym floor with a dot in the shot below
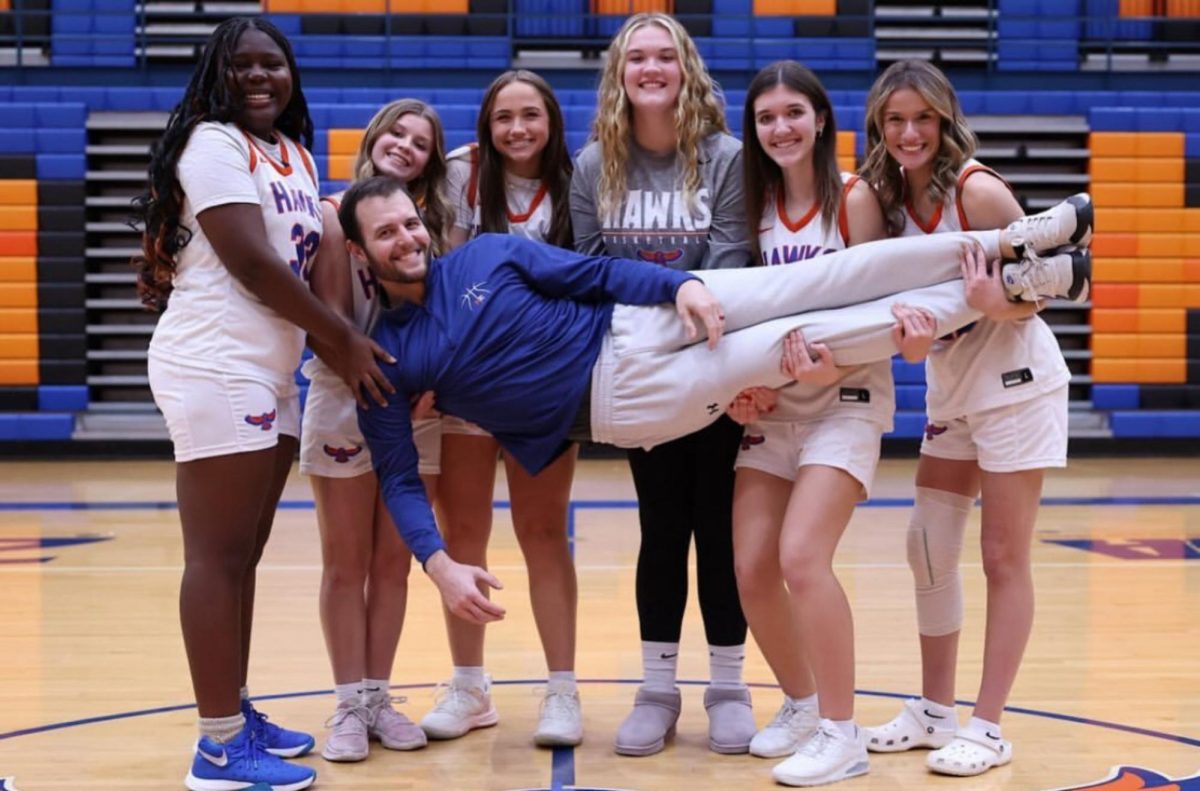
(94, 690)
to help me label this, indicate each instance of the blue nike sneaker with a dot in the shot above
(276, 740)
(244, 763)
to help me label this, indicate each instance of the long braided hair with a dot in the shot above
(207, 98)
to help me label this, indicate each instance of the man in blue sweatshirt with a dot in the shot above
(539, 345)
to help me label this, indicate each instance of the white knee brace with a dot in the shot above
(935, 540)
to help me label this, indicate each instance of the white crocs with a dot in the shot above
(913, 728)
(969, 754)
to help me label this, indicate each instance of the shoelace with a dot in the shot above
(816, 744)
(558, 705)
(448, 697)
(785, 716)
(339, 716)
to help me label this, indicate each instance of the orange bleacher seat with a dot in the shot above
(1136, 8)
(1139, 320)
(632, 6)
(1161, 245)
(1114, 244)
(18, 218)
(1114, 295)
(1144, 371)
(5, 5)
(18, 320)
(1115, 270)
(1159, 144)
(1155, 295)
(1191, 270)
(1117, 220)
(341, 167)
(18, 295)
(1112, 144)
(282, 6)
(1130, 195)
(1185, 8)
(1168, 220)
(18, 347)
(18, 270)
(1133, 169)
(18, 192)
(365, 7)
(20, 243)
(345, 141)
(795, 7)
(1139, 346)
(18, 372)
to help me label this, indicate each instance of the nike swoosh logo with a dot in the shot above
(933, 716)
(668, 656)
(990, 736)
(222, 760)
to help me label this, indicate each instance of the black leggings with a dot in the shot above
(686, 487)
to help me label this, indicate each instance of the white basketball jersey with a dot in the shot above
(990, 364)
(364, 300)
(529, 204)
(212, 321)
(868, 393)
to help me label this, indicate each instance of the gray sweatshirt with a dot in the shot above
(654, 222)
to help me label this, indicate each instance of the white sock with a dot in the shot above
(659, 663)
(222, 729)
(847, 727)
(563, 680)
(375, 687)
(940, 710)
(984, 728)
(345, 692)
(725, 665)
(807, 703)
(466, 676)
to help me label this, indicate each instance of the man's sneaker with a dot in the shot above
(347, 740)
(1065, 274)
(1066, 223)
(970, 754)
(460, 708)
(243, 763)
(393, 730)
(276, 740)
(792, 726)
(560, 723)
(914, 727)
(827, 757)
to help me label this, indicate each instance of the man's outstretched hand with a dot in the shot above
(693, 301)
(460, 586)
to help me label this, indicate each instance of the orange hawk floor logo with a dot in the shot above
(1135, 778)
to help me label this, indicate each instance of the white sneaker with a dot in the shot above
(347, 740)
(458, 709)
(560, 723)
(970, 754)
(792, 726)
(828, 757)
(914, 727)
(1066, 274)
(1066, 223)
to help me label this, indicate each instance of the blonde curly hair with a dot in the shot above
(957, 145)
(428, 190)
(699, 111)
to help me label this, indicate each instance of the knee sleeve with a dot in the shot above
(935, 540)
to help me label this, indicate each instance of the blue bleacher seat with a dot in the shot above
(1116, 396)
(907, 373)
(17, 141)
(1155, 423)
(71, 167)
(908, 425)
(35, 426)
(910, 397)
(62, 398)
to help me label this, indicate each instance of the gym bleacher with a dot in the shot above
(1066, 96)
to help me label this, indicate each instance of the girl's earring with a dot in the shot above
(820, 131)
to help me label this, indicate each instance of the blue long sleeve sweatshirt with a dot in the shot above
(506, 337)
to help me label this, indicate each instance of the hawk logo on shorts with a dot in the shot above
(266, 421)
(932, 430)
(750, 440)
(474, 295)
(1135, 778)
(661, 257)
(342, 455)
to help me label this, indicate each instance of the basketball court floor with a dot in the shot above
(94, 690)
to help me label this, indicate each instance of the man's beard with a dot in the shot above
(392, 275)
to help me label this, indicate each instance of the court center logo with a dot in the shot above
(1137, 778)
